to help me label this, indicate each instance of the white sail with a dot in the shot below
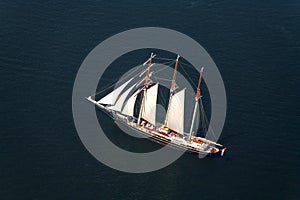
(111, 98)
(129, 105)
(149, 110)
(120, 102)
(175, 118)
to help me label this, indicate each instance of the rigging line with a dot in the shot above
(168, 63)
(204, 123)
(181, 61)
(191, 93)
(207, 122)
(188, 76)
(165, 67)
(161, 58)
(164, 79)
(110, 85)
(113, 83)
(160, 69)
(160, 93)
(155, 72)
(171, 62)
(203, 112)
(186, 64)
(202, 118)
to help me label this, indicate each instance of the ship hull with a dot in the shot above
(122, 121)
(159, 139)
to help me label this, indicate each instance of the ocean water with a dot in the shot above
(256, 47)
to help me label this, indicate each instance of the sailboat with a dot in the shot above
(120, 105)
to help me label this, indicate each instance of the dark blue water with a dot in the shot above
(256, 46)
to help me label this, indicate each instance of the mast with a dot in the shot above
(172, 88)
(174, 74)
(149, 61)
(197, 96)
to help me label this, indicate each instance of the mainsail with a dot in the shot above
(120, 102)
(175, 115)
(149, 110)
(129, 105)
(112, 97)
